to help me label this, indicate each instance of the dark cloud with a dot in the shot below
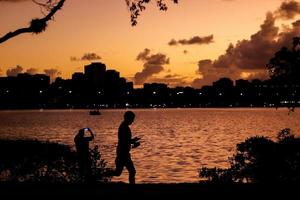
(90, 56)
(14, 71)
(209, 73)
(74, 58)
(87, 57)
(288, 9)
(18, 70)
(173, 42)
(256, 52)
(296, 23)
(172, 80)
(194, 40)
(144, 55)
(172, 76)
(248, 58)
(52, 73)
(32, 71)
(153, 64)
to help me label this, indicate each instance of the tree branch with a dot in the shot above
(137, 6)
(36, 25)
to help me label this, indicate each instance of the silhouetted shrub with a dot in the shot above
(44, 162)
(259, 159)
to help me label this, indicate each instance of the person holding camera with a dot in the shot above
(125, 143)
(83, 152)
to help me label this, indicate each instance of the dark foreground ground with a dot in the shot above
(153, 191)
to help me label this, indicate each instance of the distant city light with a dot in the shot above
(287, 102)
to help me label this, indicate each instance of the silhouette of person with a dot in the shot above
(125, 143)
(83, 152)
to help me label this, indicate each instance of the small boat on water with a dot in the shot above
(95, 112)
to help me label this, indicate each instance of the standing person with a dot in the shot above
(125, 143)
(83, 152)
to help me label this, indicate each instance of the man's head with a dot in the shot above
(129, 117)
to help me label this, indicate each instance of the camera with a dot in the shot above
(136, 144)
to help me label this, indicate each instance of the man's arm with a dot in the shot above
(91, 137)
(134, 140)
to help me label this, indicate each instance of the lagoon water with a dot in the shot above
(175, 142)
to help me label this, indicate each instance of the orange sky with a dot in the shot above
(103, 27)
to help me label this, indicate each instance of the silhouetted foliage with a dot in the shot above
(284, 66)
(44, 162)
(137, 6)
(99, 169)
(37, 25)
(259, 159)
(50, 7)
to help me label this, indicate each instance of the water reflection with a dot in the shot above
(176, 142)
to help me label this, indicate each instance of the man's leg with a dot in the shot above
(119, 167)
(130, 167)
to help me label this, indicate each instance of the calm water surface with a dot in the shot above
(175, 143)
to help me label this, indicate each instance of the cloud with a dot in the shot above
(256, 52)
(87, 57)
(14, 71)
(171, 82)
(296, 23)
(173, 42)
(172, 76)
(144, 55)
(153, 64)
(52, 73)
(90, 56)
(208, 73)
(288, 9)
(194, 40)
(32, 71)
(248, 58)
(185, 51)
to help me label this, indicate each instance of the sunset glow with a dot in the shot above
(103, 27)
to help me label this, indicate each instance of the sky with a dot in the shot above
(192, 44)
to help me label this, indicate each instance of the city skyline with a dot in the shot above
(185, 43)
(99, 87)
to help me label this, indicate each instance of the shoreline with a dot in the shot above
(138, 108)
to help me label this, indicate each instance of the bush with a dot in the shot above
(259, 159)
(44, 162)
